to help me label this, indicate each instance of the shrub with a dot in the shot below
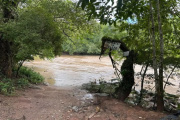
(7, 86)
(22, 83)
(30, 75)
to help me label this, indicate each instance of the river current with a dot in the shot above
(68, 71)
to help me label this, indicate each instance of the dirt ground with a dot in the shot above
(52, 103)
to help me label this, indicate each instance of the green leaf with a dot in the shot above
(84, 3)
(92, 1)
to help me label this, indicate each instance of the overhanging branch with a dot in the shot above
(68, 37)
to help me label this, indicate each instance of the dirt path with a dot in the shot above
(51, 103)
(67, 101)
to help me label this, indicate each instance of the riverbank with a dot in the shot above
(64, 100)
(52, 103)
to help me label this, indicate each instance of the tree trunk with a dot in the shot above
(5, 61)
(160, 92)
(127, 72)
(5, 45)
(154, 50)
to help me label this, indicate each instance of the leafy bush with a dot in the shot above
(30, 75)
(7, 86)
(22, 83)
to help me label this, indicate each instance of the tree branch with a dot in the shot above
(68, 37)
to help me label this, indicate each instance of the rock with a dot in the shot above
(88, 97)
(46, 84)
(86, 86)
(102, 94)
(175, 116)
(75, 108)
(170, 117)
(97, 109)
(107, 88)
(34, 86)
(90, 116)
(150, 105)
(23, 118)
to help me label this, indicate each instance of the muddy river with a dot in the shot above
(67, 71)
(73, 70)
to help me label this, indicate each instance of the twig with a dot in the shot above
(169, 76)
(114, 65)
(68, 37)
(142, 82)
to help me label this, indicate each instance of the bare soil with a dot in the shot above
(52, 103)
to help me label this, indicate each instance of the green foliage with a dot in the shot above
(108, 12)
(31, 28)
(102, 87)
(145, 31)
(30, 75)
(72, 22)
(40, 35)
(139, 33)
(27, 76)
(7, 86)
(21, 83)
(90, 43)
(39, 27)
(87, 44)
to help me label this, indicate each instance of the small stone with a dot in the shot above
(140, 117)
(68, 117)
(46, 84)
(34, 86)
(75, 108)
(97, 109)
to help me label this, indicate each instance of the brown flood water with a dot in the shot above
(67, 71)
(73, 70)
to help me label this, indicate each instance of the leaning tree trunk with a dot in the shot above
(127, 72)
(160, 92)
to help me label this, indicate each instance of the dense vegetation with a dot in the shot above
(25, 79)
(49, 27)
(90, 43)
(36, 28)
(151, 28)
